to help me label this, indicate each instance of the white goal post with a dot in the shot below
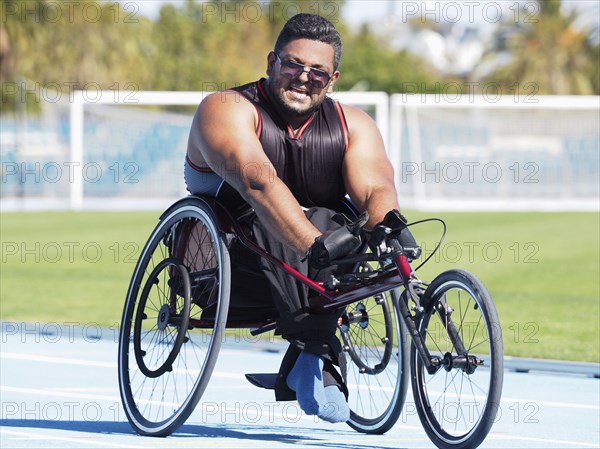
(376, 103)
(116, 150)
(510, 153)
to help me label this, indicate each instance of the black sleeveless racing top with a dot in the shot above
(308, 161)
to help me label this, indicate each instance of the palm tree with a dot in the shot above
(549, 53)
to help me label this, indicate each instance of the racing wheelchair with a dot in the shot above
(443, 335)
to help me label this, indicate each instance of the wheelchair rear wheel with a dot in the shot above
(165, 363)
(375, 341)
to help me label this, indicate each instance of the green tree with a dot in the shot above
(548, 50)
(17, 36)
(202, 48)
(217, 44)
(368, 63)
(68, 45)
(192, 45)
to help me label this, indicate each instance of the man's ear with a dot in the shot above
(332, 81)
(271, 58)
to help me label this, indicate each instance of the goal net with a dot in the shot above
(477, 154)
(125, 150)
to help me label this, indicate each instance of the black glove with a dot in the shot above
(394, 225)
(337, 243)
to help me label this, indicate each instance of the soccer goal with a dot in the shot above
(125, 150)
(113, 150)
(510, 153)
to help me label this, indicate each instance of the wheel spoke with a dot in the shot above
(375, 372)
(163, 365)
(452, 405)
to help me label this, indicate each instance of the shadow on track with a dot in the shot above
(289, 435)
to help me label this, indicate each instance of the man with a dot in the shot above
(283, 145)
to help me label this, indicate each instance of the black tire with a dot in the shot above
(376, 344)
(457, 405)
(165, 364)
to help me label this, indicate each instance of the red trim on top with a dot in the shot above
(262, 92)
(301, 130)
(259, 125)
(260, 122)
(298, 133)
(294, 135)
(343, 122)
(197, 167)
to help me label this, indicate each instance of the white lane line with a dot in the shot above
(76, 389)
(364, 389)
(237, 376)
(561, 443)
(66, 394)
(59, 360)
(551, 403)
(81, 362)
(511, 400)
(84, 442)
(215, 408)
(210, 408)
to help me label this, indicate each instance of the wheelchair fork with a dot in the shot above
(432, 364)
(444, 311)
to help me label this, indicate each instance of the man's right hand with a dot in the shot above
(332, 245)
(336, 243)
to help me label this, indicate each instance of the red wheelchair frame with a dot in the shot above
(329, 299)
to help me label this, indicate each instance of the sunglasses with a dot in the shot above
(317, 78)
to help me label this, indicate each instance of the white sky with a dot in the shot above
(482, 14)
(360, 11)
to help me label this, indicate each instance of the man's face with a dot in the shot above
(301, 95)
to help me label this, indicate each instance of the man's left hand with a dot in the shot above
(395, 225)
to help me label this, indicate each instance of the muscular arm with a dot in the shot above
(225, 132)
(368, 173)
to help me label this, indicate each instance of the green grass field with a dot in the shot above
(543, 271)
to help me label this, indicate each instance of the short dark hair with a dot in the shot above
(313, 27)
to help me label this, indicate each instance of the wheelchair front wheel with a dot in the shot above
(375, 340)
(457, 402)
(182, 276)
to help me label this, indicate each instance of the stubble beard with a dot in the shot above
(292, 108)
